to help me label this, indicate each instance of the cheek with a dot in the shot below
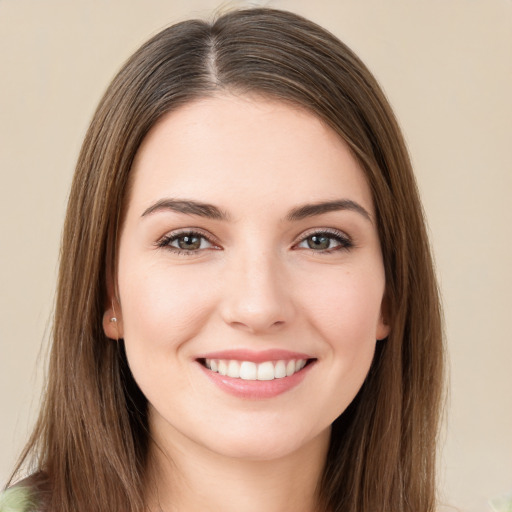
(162, 310)
(347, 306)
(346, 312)
(162, 306)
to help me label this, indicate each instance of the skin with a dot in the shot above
(254, 283)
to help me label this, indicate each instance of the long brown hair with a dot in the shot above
(90, 443)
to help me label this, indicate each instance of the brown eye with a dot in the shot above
(186, 242)
(319, 242)
(189, 242)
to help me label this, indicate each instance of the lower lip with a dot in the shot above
(256, 389)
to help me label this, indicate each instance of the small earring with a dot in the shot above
(114, 318)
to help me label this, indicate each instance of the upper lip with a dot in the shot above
(259, 356)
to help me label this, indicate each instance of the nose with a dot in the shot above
(257, 295)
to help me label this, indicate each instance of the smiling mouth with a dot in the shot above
(249, 370)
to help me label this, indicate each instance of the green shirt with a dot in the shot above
(17, 499)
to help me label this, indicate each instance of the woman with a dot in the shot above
(247, 316)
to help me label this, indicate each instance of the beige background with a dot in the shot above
(446, 66)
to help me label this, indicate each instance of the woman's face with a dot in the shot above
(250, 277)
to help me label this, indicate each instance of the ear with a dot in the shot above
(383, 325)
(113, 321)
(112, 317)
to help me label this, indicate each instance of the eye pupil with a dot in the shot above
(189, 242)
(321, 242)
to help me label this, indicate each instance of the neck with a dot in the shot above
(186, 477)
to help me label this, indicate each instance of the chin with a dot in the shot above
(266, 443)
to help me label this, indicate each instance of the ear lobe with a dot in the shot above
(383, 326)
(383, 329)
(112, 324)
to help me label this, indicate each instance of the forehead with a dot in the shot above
(238, 149)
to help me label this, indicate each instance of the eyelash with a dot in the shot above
(343, 241)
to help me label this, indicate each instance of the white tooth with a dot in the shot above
(280, 370)
(233, 369)
(266, 371)
(213, 365)
(207, 363)
(248, 370)
(290, 368)
(223, 367)
(300, 363)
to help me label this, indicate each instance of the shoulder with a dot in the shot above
(17, 499)
(27, 495)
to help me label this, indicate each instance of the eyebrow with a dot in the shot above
(310, 210)
(211, 211)
(188, 207)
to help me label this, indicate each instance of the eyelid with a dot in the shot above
(318, 231)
